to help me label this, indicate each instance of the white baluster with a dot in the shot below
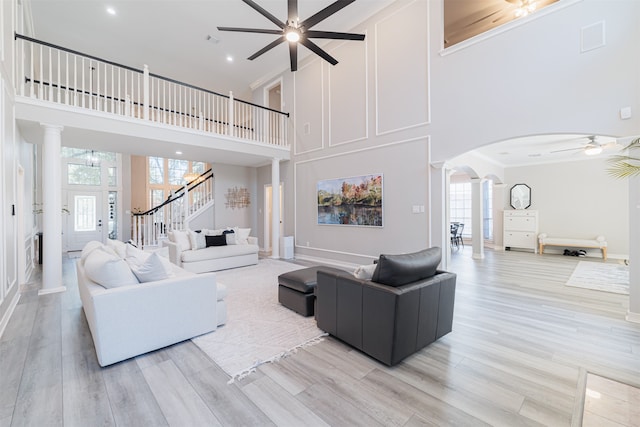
(145, 82)
(66, 66)
(230, 130)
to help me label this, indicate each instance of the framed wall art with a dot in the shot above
(353, 201)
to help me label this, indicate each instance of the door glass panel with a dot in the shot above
(84, 213)
(83, 175)
(113, 213)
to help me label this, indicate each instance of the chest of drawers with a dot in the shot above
(520, 229)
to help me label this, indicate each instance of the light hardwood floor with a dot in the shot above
(520, 354)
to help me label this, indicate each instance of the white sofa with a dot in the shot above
(185, 253)
(136, 318)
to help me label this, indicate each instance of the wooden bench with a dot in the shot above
(597, 243)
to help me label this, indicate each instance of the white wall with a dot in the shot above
(11, 151)
(534, 79)
(366, 115)
(227, 177)
(577, 200)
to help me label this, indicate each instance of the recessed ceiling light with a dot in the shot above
(229, 58)
(111, 11)
(178, 152)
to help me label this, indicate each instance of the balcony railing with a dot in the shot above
(56, 74)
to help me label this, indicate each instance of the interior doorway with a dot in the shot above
(268, 217)
(273, 100)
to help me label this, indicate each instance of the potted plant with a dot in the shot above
(628, 165)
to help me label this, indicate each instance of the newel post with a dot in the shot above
(230, 129)
(145, 94)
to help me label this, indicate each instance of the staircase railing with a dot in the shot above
(56, 74)
(174, 213)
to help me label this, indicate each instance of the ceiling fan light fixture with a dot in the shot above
(292, 35)
(525, 8)
(593, 150)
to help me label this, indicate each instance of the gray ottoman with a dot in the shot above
(296, 289)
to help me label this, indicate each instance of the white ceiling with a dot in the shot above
(170, 36)
(542, 149)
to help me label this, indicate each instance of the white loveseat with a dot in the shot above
(187, 249)
(135, 318)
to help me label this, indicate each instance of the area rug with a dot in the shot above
(258, 329)
(606, 277)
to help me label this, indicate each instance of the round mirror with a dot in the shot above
(520, 196)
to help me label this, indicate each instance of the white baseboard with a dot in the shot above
(633, 317)
(5, 319)
(327, 261)
(52, 291)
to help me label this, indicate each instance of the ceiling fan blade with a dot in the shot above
(262, 11)
(316, 49)
(333, 35)
(267, 47)
(293, 55)
(567, 149)
(324, 13)
(250, 30)
(292, 9)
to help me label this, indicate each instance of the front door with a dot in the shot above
(84, 222)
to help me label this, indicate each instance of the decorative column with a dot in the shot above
(52, 210)
(275, 208)
(477, 219)
(439, 232)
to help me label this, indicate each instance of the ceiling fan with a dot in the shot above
(296, 32)
(592, 147)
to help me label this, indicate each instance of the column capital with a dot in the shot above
(52, 126)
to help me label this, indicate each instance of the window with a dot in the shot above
(156, 170)
(177, 169)
(460, 198)
(85, 213)
(113, 177)
(82, 174)
(167, 176)
(487, 207)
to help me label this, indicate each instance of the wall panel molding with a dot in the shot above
(402, 70)
(348, 94)
(310, 117)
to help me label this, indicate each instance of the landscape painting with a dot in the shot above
(351, 201)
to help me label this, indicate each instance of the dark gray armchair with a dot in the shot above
(407, 305)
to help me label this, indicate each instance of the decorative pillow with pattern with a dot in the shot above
(197, 240)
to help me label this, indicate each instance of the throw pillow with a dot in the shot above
(153, 268)
(230, 236)
(242, 235)
(88, 248)
(182, 240)
(119, 247)
(398, 270)
(220, 240)
(108, 270)
(197, 240)
(365, 272)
